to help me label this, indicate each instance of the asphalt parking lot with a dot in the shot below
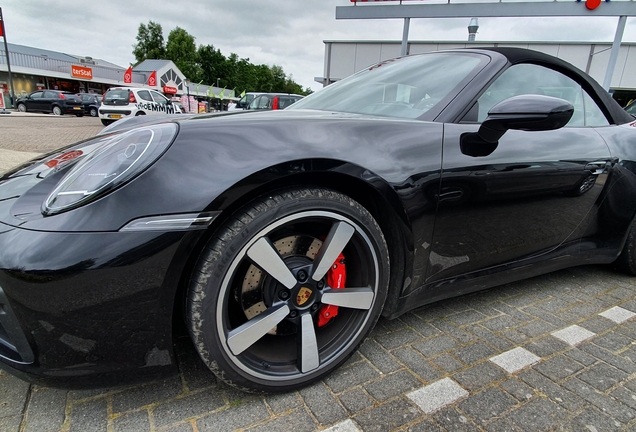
(556, 352)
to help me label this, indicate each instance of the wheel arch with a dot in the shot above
(368, 189)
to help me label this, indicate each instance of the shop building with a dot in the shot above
(36, 69)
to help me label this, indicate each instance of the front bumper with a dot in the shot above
(89, 309)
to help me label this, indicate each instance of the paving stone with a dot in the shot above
(515, 359)
(379, 357)
(614, 409)
(479, 376)
(597, 324)
(347, 377)
(355, 400)
(473, 353)
(417, 324)
(284, 402)
(512, 311)
(427, 425)
(501, 425)
(453, 331)
(388, 416)
(437, 395)
(392, 385)
(602, 376)
(10, 423)
(470, 316)
(546, 346)
(559, 368)
(452, 420)
(91, 416)
(297, 421)
(613, 341)
(593, 420)
(514, 336)
(133, 421)
(191, 406)
(323, 404)
(241, 416)
(195, 373)
(436, 345)
(494, 340)
(180, 427)
(612, 359)
(486, 405)
(548, 317)
(398, 338)
(537, 415)
(580, 356)
(46, 410)
(392, 325)
(621, 293)
(417, 364)
(624, 396)
(573, 335)
(553, 305)
(447, 362)
(585, 310)
(13, 395)
(518, 389)
(140, 396)
(567, 399)
(536, 328)
(345, 426)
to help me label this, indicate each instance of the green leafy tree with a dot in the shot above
(182, 50)
(149, 42)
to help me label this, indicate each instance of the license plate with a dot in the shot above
(115, 116)
(77, 108)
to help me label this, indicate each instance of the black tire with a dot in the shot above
(22, 107)
(57, 110)
(140, 113)
(107, 122)
(93, 112)
(79, 115)
(626, 261)
(246, 324)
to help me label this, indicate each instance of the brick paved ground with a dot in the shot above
(556, 352)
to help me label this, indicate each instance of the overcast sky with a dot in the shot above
(289, 33)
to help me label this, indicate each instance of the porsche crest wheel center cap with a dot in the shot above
(303, 296)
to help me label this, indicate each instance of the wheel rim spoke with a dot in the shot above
(308, 347)
(334, 244)
(354, 298)
(249, 333)
(266, 257)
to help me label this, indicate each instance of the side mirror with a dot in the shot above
(524, 112)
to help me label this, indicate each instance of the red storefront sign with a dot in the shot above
(169, 90)
(81, 72)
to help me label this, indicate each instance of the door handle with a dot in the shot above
(597, 168)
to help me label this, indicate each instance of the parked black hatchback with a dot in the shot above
(55, 101)
(90, 103)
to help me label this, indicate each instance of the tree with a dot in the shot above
(182, 50)
(149, 42)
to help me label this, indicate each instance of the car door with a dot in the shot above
(33, 102)
(535, 192)
(163, 105)
(46, 103)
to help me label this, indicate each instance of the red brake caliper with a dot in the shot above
(336, 278)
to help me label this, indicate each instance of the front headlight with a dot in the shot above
(115, 162)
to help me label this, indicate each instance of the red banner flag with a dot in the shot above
(152, 80)
(128, 76)
(1, 28)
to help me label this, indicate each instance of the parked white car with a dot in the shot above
(120, 102)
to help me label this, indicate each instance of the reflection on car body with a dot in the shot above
(279, 237)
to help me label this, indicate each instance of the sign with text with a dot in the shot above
(169, 90)
(81, 72)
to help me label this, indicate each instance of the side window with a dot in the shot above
(145, 95)
(264, 103)
(256, 102)
(159, 98)
(50, 95)
(36, 95)
(533, 79)
(594, 117)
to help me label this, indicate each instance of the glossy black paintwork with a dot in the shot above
(97, 305)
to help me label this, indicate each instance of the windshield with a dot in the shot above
(114, 95)
(406, 87)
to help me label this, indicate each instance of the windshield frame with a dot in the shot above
(432, 113)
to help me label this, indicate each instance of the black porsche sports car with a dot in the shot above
(280, 237)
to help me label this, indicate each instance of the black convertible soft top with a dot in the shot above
(612, 109)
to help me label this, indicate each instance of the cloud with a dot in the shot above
(288, 33)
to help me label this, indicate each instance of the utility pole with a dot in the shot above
(3, 33)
